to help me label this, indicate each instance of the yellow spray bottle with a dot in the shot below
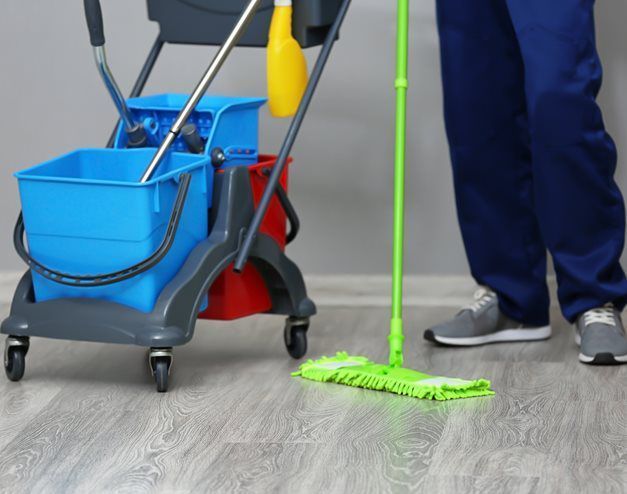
(287, 67)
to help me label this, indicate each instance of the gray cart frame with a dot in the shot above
(234, 234)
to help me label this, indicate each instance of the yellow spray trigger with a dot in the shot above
(287, 67)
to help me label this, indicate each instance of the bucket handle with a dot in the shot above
(288, 209)
(117, 276)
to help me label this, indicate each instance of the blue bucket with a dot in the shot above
(230, 123)
(86, 213)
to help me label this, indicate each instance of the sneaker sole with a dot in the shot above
(604, 358)
(503, 336)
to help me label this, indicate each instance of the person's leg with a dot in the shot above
(486, 122)
(579, 206)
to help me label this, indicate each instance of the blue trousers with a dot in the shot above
(533, 165)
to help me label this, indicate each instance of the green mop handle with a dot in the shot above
(396, 337)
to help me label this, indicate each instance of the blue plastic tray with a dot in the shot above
(86, 213)
(230, 123)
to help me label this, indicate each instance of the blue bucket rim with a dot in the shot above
(209, 103)
(201, 162)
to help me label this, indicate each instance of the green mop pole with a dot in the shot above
(396, 337)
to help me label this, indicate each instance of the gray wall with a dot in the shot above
(342, 176)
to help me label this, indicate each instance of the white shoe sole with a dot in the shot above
(505, 335)
(586, 359)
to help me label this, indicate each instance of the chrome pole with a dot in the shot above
(120, 103)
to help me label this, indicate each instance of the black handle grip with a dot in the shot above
(93, 14)
(193, 140)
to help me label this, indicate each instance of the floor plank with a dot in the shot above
(86, 418)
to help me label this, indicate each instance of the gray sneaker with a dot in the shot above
(483, 322)
(601, 337)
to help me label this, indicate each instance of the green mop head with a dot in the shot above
(362, 373)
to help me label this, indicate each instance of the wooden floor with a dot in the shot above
(86, 419)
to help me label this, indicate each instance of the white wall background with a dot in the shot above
(51, 101)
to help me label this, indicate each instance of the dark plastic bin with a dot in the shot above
(208, 22)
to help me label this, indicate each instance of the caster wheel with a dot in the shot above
(295, 335)
(160, 361)
(161, 372)
(15, 363)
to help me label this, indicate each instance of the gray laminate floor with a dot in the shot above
(85, 418)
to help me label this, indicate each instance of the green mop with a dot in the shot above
(359, 371)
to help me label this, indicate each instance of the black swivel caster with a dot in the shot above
(160, 360)
(295, 336)
(15, 357)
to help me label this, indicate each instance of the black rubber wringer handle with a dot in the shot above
(95, 25)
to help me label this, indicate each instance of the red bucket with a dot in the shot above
(233, 295)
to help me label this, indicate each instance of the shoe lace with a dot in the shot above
(483, 296)
(600, 315)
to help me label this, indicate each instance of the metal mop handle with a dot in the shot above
(290, 139)
(93, 14)
(203, 85)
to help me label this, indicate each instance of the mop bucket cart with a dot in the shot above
(116, 260)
